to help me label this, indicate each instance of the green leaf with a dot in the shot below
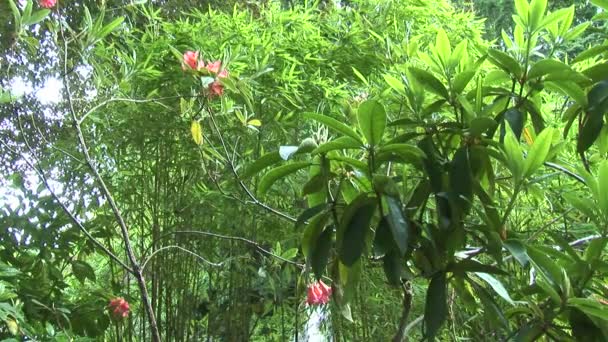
(595, 249)
(383, 238)
(392, 265)
(589, 132)
(312, 232)
(262, 163)
(406, 150)
(461, 179)
(310, 213)
(372, 121)
(505, 62)
(430, 82)
(354, 228)
(545, 265)
(315, 184)
(16, 13)
(461, 80)
(492, 311)
(515, 159)
(590, 307)
(319, 253)
(333, 124)
(82, 270)
(584, 206)
(397, 223)
(515, 118)
(497, 286)
(443, 47)
(590, 53)
(536, 14)
(538, 153)
(394, 83)
(481, 125)
(360, 76)
(570, 89)
(436, 308)
(597, 99)
(518, 251)
(601, 3)
(546, 67)
(106, 30)
(279, 172)
(341, 143)
(522, 9)
(36, 17)
(529, 332)
(602, 183)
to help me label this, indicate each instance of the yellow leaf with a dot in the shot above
(528, 137)
(12, 326)
(255, 122)
(197, 132)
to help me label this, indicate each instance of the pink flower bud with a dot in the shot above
(47, 3)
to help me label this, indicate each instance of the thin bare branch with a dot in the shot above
(143, 266)
(254, 199)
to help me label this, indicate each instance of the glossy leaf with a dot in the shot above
(436, 308)
(354, 228)
(340, 143)
(398, 224)
(279, 172)
(505, 62)
(538, 153)
(518, 251)
(333, 124)
(591, 307)
(319, 253)
(372, 121)
(430, 82)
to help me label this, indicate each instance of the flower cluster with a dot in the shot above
(191, 61)
(119, 307)
(47, 3)
(318, 293)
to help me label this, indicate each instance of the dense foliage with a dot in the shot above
(364, 170)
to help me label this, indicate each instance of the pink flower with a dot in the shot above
(119, 307)
(318, 293)
(223, 74)
(216, 89)
(191, 60)
(47, 3)
(214, 67)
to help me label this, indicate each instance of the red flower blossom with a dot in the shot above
(216, 89)
(191, 60)
(119, 307)
(47, 3)
(214, 67)
(318, 293)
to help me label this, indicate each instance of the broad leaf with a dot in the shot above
(436, 307)
(279, 172)
(354, 228)
(372, 121)
(430, 82)
(538, 153)
(398, 223)
(333, 124)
